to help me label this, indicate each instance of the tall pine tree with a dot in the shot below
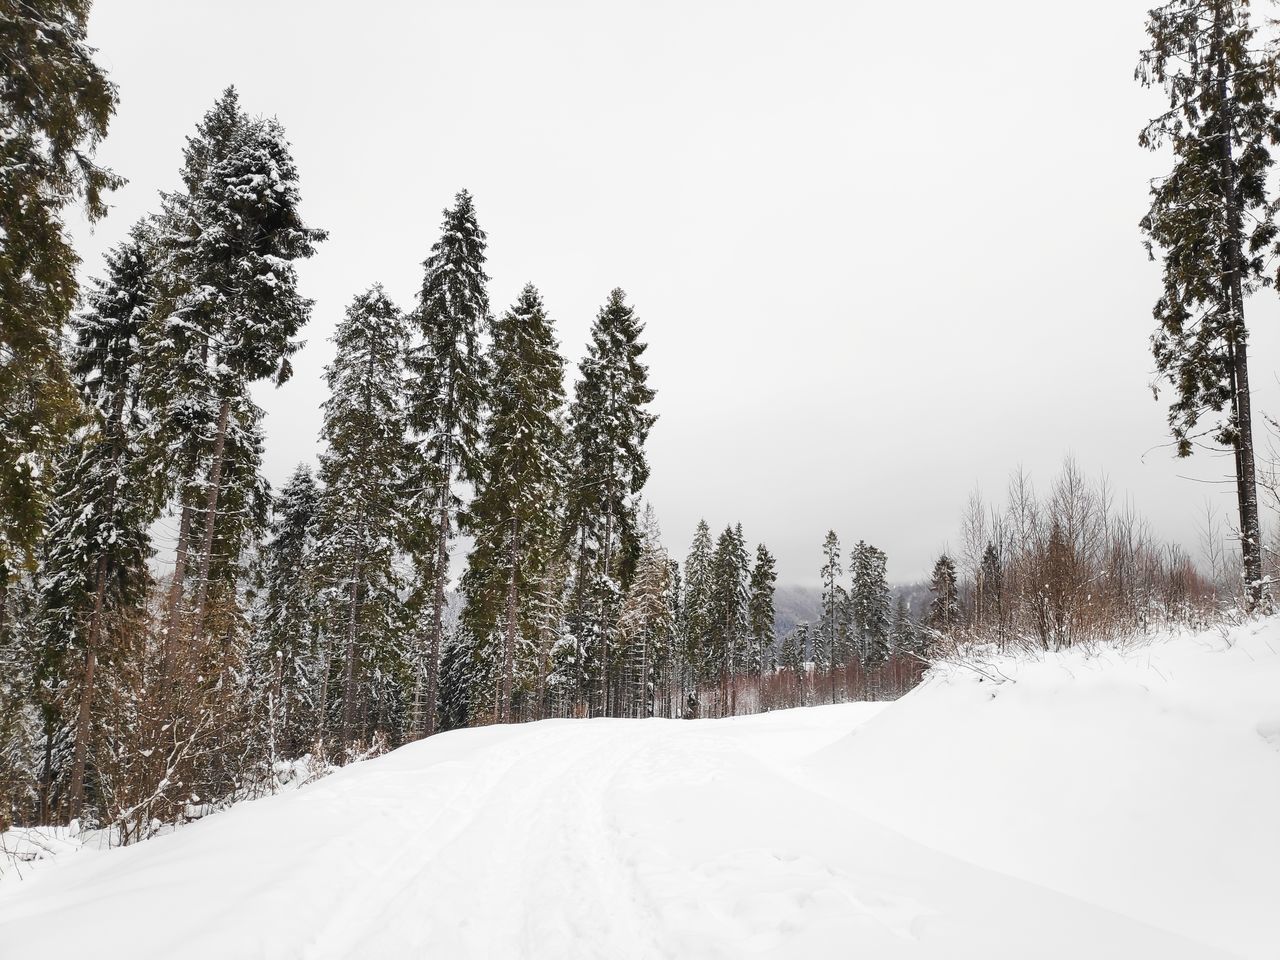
(1212, 222)
(515, 516)
(285, 658)
(610, 423)
(227, 317)
(760, 612)
(55, 106)
(95, 576)
(361, 520)
(448, 376)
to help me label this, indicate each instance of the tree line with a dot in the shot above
(319, 618)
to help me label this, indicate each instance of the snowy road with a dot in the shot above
(562, 839)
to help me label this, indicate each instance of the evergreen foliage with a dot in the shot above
(609, 425)
(871, 603)
(55, 106)
(515, 517)
(285, 656)
(944, 608)
(94, 578)
(760, 613)
(448, 385)
(360, 518)
(1212, 221)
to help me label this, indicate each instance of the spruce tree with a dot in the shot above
(285, 660)
(95, 578)
(827, 649)
(944, 608)
(871, 603)
(760, 611)
(515, 516)
(793, 655)
(905, 639)
(55, 106)
(646, 623)
(227, 317)
(1212, 222)
(360, 518)
(610, 423)
(447, 399)
(696, 605)
(729, 626)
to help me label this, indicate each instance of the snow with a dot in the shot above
(1117, 803)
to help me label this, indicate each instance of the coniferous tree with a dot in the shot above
(871, 603)
(794, 653)
(695, 608)
(55, 105)
(760, 611)
(447, 399)
(94, 578)
(285, 659)
(992, 596)
(360, 517)
(1212, 221)
(827, 648)
(905, 638)
(729, 625)
(610, 423)
(227, 317)
(646, 623)
(457, 680)
(944, 608)
(515, 516)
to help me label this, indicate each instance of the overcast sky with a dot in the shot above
(884, 252)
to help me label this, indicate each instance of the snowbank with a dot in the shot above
(1120, 805)
(1143, 778)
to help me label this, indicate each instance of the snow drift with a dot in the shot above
(1119, 803)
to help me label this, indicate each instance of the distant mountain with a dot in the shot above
(794, 603)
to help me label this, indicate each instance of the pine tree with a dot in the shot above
(227, 317)
(760, 611)
(515, 516)
(905, 638)
(360, 518)
(991, 572)
(646, 623)
(696, 605)
(1211, 219)
(944, 608)
(286, 658)
(447, 399)
(95, 577)
(729, 602)
(457, 680)
(610, 424)
(55, 106)
(871, 603)
(827, 649)
(793, 655)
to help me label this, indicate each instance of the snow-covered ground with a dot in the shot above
(1120, 804)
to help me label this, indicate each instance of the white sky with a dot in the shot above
(885, 252)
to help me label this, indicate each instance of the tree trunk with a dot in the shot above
(509, 644)
(80, 748)
(174, 602)
(349, 666)
(602, 624)
(437, 622)
(211, 510)
(1246, 471)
